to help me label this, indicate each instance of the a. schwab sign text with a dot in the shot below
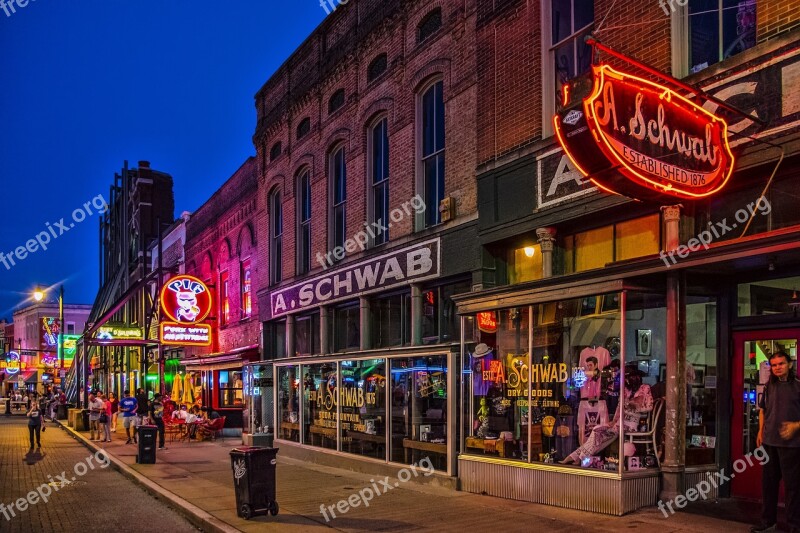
(415, 263)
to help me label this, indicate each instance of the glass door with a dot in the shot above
(752, 350)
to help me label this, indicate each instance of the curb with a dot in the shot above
(198, 517)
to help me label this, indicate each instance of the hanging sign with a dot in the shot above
(185, 335)
(12, 363)
(633, 137)
(186, 299)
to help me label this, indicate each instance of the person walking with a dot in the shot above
(112, 398)
(105, 418)
(779, 434)
(35, 423)
(127, 406)
(156, 414)
(96, 408)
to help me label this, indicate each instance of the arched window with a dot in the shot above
(338, 168)
(378, 185)
(303, 128)
(247, 289)
(377, 67)
(304, 222)
(429, 25)
(275, 151)
(336, 101)
(432, 152)
(276, 238)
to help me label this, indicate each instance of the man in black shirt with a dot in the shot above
(156, 414)
(142, 406)
(779, 434)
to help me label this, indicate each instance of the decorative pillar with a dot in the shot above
(673, 466)
(365, 323)
(324, 320)
(547, 237)
(416, 315)
(290, 336)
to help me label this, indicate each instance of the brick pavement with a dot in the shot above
(200, 474)
(100, 501)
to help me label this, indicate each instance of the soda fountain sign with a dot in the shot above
(633, 137)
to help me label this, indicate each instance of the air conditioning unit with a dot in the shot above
(447, 209)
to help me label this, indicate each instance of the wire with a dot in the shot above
(607, 14)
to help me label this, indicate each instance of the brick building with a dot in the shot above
(582, 288)
(220, 250)
(370, 122)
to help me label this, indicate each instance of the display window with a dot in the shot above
(362, 417)
(549, 383)
(320, 399)
(289, 402)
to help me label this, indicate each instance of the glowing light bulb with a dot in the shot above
(529, 251)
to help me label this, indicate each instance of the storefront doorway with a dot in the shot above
(750, 371)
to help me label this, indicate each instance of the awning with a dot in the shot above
(221, 361)
(29, 376)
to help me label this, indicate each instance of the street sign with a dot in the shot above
(28, 353)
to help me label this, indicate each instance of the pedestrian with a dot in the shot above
(128, 405)
(35, 424)
(105, 418)
(142, 404)
(779, 434)
(96, 408)
(156, 414)
(114, 410)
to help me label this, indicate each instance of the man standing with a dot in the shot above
(156, 414)
(96, 407)
(141, 401)
(779, 433)
(128, 406)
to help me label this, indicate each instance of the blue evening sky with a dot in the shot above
(87, 84)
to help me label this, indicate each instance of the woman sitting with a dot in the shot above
(638, 399)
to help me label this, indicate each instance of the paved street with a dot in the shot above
(102, 500)
(198, 475)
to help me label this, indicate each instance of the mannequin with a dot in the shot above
(638, 399)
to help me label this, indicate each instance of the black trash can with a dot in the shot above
(147, 445)
(254, 480)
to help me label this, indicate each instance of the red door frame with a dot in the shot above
(747, 484)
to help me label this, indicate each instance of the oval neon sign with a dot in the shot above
(186, 299)
(634, 137)
(12, 363)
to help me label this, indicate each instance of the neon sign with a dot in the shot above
(185, 335)
(633, 137)
(12, 363)
(487, 322)
(119, 332)
(186, 299)
(50, 330)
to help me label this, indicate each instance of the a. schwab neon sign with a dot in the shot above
(634, 137)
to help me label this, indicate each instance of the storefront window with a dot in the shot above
(320, 398)
(439, 320)
(625, 240)
(363, 411)
(289, 403)
(230, 389)
(419, 410)
(391, 317)
(525, 264)
(275, 340)
(306, 334)
(346, 328)
(778, 296)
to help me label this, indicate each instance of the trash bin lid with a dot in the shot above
(252, 450)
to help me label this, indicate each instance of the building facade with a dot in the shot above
(582, 289)
(366, 144)
(221, 250)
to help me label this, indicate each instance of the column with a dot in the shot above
(365, 323)
(673, 466)
(547, 237)
(290, 336)
(324, 321)
(416, 315)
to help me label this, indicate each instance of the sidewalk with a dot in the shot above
(198, 476)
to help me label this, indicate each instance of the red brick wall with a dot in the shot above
(224, 227)
(336, 57)
(776, 16)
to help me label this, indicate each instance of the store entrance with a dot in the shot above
(750, 370)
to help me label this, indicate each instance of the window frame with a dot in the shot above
(421, 218)
(372, 77)
(381, 236)
(430, 14)
(275, 238)
(305, 126)
(275, 151)
(334, 106)
(548, 61)
(303, 224)
(246, 282)
(337, 208)
(224, 298)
